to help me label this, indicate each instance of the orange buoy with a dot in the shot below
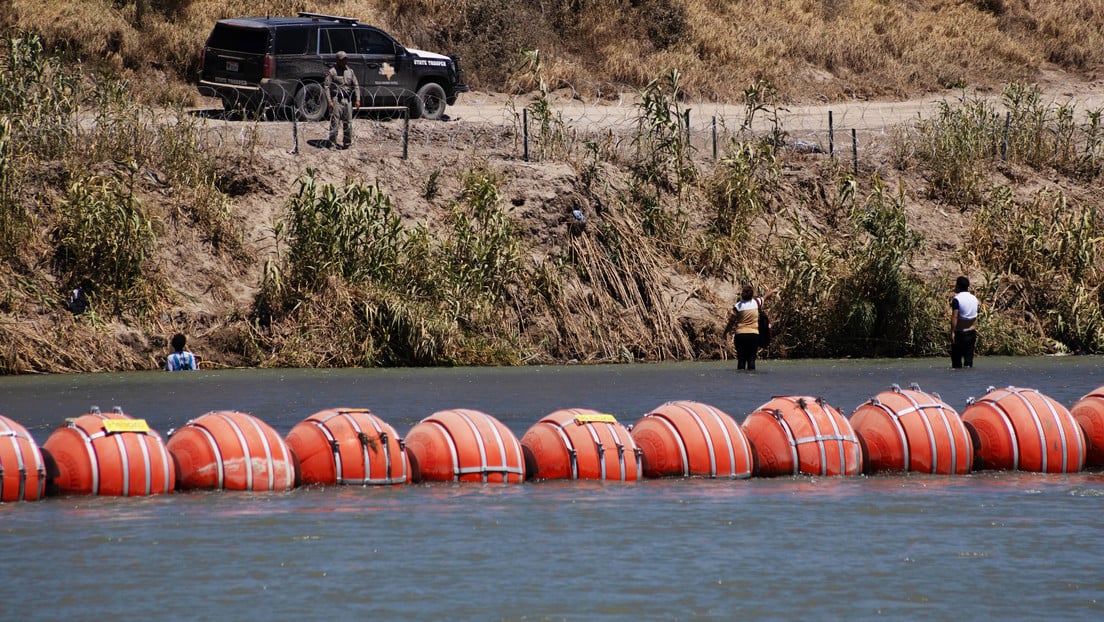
(465, 445)
(577, 443)
(348, 446)
(798, 434)
(691, 439)
(22, 468)
(1088, 412)
(910, 430)
(110, 454)
(1022, 429)
(230, 450)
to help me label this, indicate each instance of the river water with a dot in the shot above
(987, 545)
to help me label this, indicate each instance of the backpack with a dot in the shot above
(764, 328)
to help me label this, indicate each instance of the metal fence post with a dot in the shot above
(687, 117)
(714, 138)
(855, 152)
(295, 131)
(831, 137)
(1004, 139)
(525, 134)
(406, 132)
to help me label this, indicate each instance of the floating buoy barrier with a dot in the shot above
(22, 468)
(910, 430)
(1023, 430)
(691, 439)
(464, 445)
(110, 454)
(230, 450)
(577, 443)
(348, 446)
(795, 435)
(1088, 412)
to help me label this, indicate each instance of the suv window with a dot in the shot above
(247, 40)
(336, 39)
(374, 42)
(293, 41)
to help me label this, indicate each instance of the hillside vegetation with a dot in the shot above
(110, 184)
(808, 49)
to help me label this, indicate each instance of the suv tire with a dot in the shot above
(430, 103)
(310, 102)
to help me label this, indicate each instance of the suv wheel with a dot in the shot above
(310, 102)
(430, 102)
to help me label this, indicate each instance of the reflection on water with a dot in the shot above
(985, 545)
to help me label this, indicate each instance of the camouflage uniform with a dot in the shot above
(342, 93)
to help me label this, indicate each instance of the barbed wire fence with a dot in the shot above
(523, 128)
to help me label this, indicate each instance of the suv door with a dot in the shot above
(334, 40)
(388, 74)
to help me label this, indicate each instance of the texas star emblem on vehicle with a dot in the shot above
(387, 71)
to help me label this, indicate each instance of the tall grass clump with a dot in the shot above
(39, 95)
(482, 251)
(103, 245)
(353, 286)
(855, 295)
(961, 143)
(956, 145)
(1044, 260)
(337, 294)
(15, 221)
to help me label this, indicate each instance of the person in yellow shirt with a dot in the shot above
(744, 322)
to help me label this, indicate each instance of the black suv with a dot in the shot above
(256, 62)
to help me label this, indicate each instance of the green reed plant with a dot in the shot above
(961, 143)
(762, 96)
(663, 157)
(742, 187)
(955, 144)
(551, 137)
(482, 251)
(375, 292)
(885, 309)
(351, 233)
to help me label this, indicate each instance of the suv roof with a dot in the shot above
(303, 18)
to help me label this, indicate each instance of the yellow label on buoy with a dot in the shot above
(125, 425)
(595, 419)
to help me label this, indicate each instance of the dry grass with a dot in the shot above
(809, 49)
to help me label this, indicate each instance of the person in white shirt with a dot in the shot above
(964, 312)
(180, 359)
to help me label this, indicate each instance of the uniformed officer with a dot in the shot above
(342, 95)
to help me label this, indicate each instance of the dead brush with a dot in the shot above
(606, 297)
